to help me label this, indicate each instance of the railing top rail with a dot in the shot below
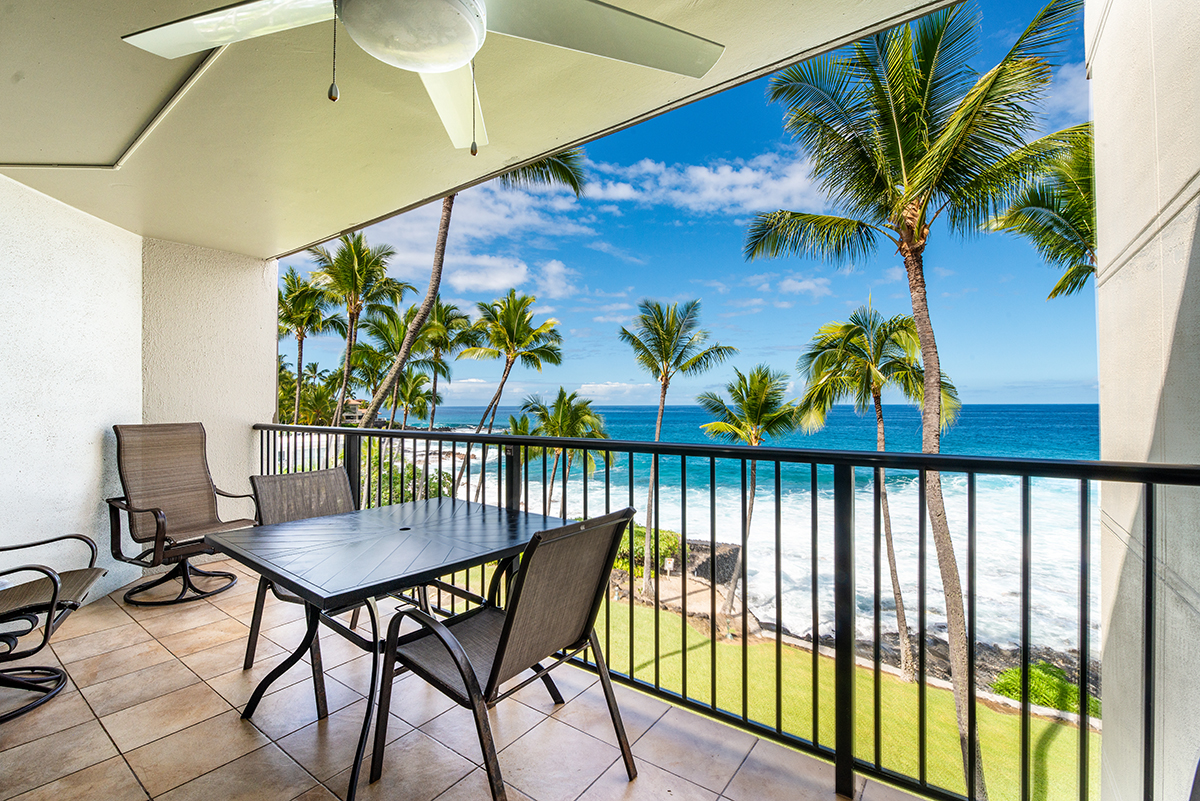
(1135, 472)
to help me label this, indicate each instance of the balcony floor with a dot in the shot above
(153, 711)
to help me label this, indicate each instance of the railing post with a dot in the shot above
(352, 461)
(512, 477)
(844, 634)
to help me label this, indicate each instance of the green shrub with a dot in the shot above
(1048, 686)
(668, 548)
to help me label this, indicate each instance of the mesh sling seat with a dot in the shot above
(551, 613)
(171, 504)
(281, 499)
(48, 599)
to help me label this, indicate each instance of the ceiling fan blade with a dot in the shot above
(234, 23)
(590, 26)
(454, 96)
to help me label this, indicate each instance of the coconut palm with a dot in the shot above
(568, 416)
(448, 332)
(285, 384)
(387, 328)
(507, 329)
(355, 276)
(668, 340)
(758, 411)
(413, 394)
(303, 310)
(859, 359)
(902, 131)
(565, 168)
(1056, 213)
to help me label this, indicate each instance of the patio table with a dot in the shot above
(337, 562)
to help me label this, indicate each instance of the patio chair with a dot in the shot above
(171, 504)
(281, 499)
(54, 595)
(551, 614)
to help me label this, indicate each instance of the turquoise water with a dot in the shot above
(1049, 431)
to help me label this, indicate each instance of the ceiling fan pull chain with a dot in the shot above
(333, 90)
(474, 147)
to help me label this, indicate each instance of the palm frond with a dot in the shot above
(821, 236)
(565, 167)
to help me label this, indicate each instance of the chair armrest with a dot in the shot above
(445, 637)
(225, 494)
(46, 627)
(117, 505)
(503, 567)
(90, 544)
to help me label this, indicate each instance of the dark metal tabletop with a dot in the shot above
(339, 560)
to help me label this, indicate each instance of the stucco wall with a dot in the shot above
(71, 345)
(209, 343)
(1146, 95)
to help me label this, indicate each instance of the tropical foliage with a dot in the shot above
(1056, 212)
(756, 411)
(859, 359)
(567, 416)
(902, 132)
(304, 309)
(666, 341)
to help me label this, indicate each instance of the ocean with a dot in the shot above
(1034, 431)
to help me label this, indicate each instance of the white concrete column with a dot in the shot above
(209, 352)
(1146, 95)
(71, 350)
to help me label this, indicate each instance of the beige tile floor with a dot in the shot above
(152, 711)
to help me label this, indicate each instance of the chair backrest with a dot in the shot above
(296, 496)
(163, 466)
(557, 592)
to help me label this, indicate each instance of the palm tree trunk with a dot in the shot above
(907, 664)
(931, 413)
(646, 560)
(553, 472)
(737, 565)
(395, 400)
(351, 334)
(433, 400)
(491, 425)
(299, 375)
(410, 336)
(493, 404)
(566, 478)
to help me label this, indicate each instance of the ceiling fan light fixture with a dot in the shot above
(417, 35)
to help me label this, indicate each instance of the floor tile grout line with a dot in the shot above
(741, 764)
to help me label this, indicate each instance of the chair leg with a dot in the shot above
(611, 698)
(551, 687)
(260, 599)
(48, 681)
(385, 705)
(183, 571)
(354, 617)
(490, 761)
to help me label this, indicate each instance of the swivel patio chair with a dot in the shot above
(53, 596)
(171, 504)
(552, 607)
(281, 499)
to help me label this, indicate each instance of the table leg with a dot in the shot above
(372, 694)
(313, 614)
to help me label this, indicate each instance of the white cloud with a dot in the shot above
(943, 272)
(1069, 101)
(717, 285)
(478, 273)
(783, 304)
(542, 308)
(609, 391)
(797, 285)
(892, 274)
(554, 280)
(613, 250)
(748, 303)
(738, 187)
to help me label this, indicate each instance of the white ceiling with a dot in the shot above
(254, 159)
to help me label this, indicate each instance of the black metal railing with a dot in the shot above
(768, 675)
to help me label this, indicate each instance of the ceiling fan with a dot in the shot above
(439, 38)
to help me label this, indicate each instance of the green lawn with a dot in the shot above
(1054, 746)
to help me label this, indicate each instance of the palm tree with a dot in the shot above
(567, 416)
(1056, 212)
(858, 359)
(758, 412)
(667, 340)
(304, 309)
(387, 328)
(355, 276)
(506, 327)
(285, 383)
(448, 332)
(902, 130)
(413, 394)
(566, 168)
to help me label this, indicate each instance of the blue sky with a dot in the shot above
(664, 217)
